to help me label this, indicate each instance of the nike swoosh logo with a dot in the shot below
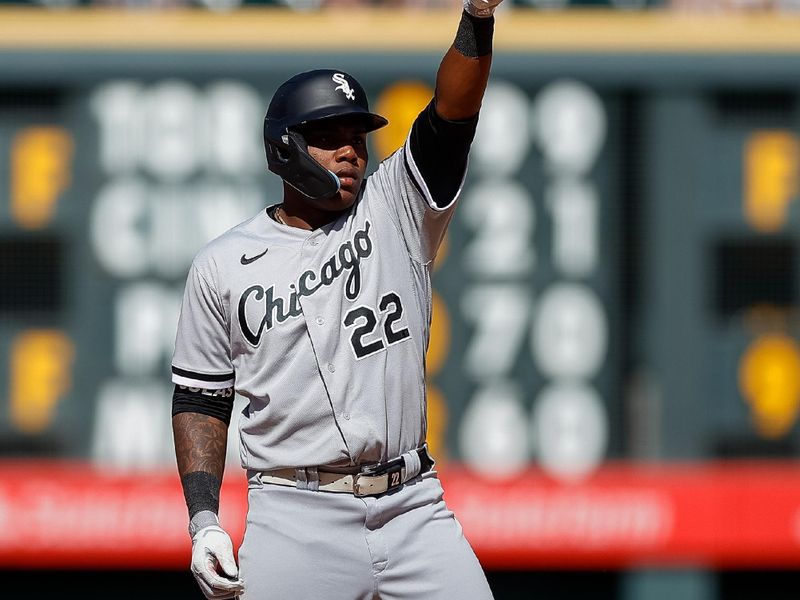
(246, 261)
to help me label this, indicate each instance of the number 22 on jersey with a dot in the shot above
(364, 320)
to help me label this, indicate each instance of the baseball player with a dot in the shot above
(317, 311)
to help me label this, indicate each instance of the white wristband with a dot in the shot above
(204, 518)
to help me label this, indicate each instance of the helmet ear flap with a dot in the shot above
(291, 161)
(277, 154)
(280, 151)
(297, 139)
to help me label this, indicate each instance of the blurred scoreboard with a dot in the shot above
(114, 183)
(620, 280)
(615, 304)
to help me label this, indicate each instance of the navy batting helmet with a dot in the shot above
(304, 99)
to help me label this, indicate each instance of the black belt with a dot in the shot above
(392, 470)
(371, 480)
(391, 466)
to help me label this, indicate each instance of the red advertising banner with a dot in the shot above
(718, 515)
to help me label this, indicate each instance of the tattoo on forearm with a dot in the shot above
(200, 443)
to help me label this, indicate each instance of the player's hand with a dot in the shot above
(213, 565)
(481, 8)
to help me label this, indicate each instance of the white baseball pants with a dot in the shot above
(309, 545)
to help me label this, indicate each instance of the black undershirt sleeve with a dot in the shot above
(214, 403)
(439, 148)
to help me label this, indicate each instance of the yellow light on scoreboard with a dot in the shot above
(400, 103)
(40, 375)
(769, 379)
(40, 171)
(438, 349)
(771, 163)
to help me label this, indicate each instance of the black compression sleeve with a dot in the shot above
(214, 403)
(440, 148)
(201, 492)
(474, 35)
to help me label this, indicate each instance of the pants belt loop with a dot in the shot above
(302, 479)
(312, 479)
(412, 465)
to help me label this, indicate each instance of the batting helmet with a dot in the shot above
(304, 99)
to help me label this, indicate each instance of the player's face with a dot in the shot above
(342, 149)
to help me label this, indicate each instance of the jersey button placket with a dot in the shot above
(331, 368)
(320, 321)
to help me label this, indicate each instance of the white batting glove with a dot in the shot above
(213, 565)
(481, 8)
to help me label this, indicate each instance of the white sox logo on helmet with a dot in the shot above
(344, 86)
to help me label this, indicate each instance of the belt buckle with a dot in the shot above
(368, 485)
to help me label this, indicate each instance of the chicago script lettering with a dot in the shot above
(277, 309)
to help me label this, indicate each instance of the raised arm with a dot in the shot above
(442, 134)
(464, 70)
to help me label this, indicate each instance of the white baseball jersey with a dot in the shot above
(323, 331)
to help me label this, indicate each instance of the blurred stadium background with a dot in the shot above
(614, 372)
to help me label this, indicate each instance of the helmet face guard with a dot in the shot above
(304, 99)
